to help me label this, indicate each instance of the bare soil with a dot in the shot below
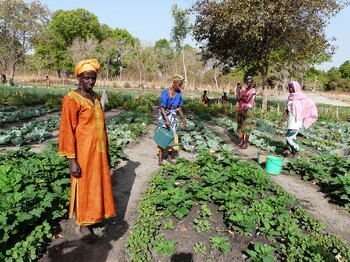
(130, 179)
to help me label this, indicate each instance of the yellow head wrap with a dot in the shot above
(177, 78)
(86, 65)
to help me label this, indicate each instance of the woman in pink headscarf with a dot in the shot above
(301, 111)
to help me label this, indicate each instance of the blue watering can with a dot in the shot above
(164, 137)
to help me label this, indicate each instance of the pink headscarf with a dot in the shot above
(303, 108)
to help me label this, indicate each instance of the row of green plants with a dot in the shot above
(23, 114)
(52, 98)
(195, 106)
(251, 206)
(197, 137)
(31, 132)
(330, 172)
(334, 132)
(122, 129)
(321, 137)
(7, 108)
(22, 97)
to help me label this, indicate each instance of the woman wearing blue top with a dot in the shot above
(170, 102)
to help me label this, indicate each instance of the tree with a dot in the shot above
(180, 31)
(216, 69)
(20, 26)
(336, 81)
(82, 49)
(316, 78)
(344, 69)
(64, 27)
(124, 43)
(246, 33)
(165, 54)
(142, 59)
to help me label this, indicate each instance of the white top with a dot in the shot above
(292, 124)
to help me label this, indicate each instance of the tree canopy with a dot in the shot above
(64, 27)
(20, 26)
(247, 32)
(345, 69)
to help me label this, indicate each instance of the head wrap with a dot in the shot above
(87, 65)
(303, 108)
(249, 79)
(177, 78)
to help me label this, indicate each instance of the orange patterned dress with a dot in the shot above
(83, 136)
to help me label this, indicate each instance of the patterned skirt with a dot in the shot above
(245, 122)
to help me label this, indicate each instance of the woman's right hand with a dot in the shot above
(74, 168)
(167, 123)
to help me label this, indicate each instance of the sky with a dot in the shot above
(151, 20)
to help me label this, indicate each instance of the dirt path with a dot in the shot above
(319, 98)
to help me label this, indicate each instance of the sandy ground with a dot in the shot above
(130, 178)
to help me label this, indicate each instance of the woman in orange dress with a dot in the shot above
(83, 140)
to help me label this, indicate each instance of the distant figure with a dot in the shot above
(301, 111)
(205, 98)
(47, 80)
(11, 83)
(224, 98)
(3, 78)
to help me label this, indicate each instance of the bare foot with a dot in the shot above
(295, 155)
(170, 161)
(244, 146)
(83, 231)
(86, 235)
(241, 143)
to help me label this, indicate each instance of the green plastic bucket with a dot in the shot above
(274, 165)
